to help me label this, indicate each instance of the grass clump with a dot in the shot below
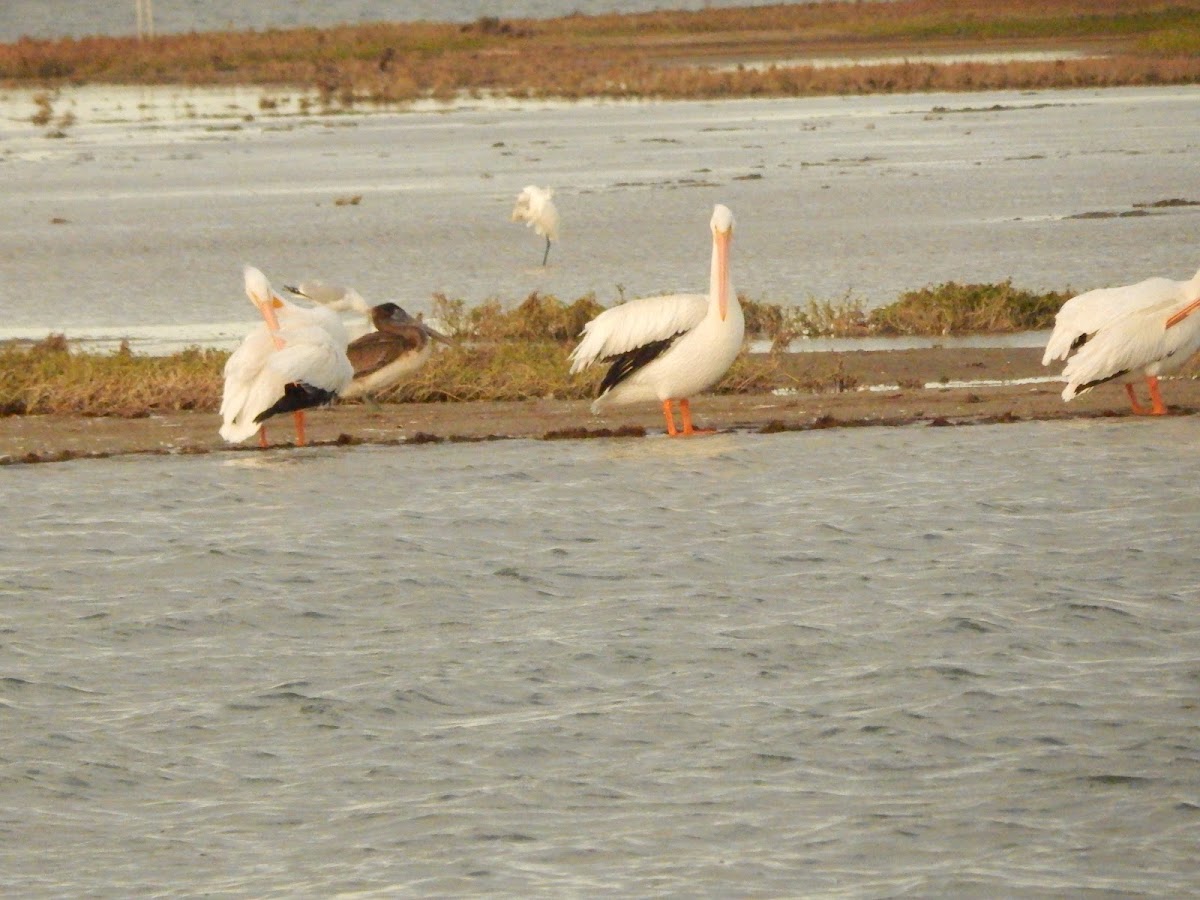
(509, 370)
(784, 323)
(539, 317)
(47, 377)
(952, 308)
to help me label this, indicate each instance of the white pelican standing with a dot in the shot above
(1127, 333)
(398, 347)
(537, 210)
(294, 360)
(668, 348)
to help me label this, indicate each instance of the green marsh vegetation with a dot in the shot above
(516, 352)
(662, 54)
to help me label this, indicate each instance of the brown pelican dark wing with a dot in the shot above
(373, 351)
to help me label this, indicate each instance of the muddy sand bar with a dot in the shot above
(991, 391)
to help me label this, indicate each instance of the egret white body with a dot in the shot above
(672, 347)
(536, 209)
(296, 359)
(1127, 333)
(398, 347)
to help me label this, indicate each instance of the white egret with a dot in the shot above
(536, 209)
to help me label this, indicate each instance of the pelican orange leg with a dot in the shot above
(1138, 409)
(298, 417)
(1159, 408)
(669, 415)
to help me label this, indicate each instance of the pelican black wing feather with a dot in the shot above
(629, 362)
(297, 395)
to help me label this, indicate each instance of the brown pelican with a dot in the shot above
(383, 357)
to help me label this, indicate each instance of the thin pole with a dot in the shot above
(144, 10)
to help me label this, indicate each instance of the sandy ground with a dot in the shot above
(31, 439)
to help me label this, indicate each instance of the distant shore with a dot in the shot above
(781, 50)
(989, 388)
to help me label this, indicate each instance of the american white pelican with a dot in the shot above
(668, 348)
(535, 208)
(399, 346)
(335, 296)
(1127, 333)
(294, 360)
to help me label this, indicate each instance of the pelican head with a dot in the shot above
(335, 296)
(386, 316)
(722, 229)
(259, 290)
(722, 219)
(1192, 295)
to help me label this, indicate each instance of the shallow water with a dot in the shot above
(76, 18)
(132, 224)
(864, 662)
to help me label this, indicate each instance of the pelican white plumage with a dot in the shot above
(536, 209)
(398, 347)
(295, 360)
(337, 297)
(671, 347)
(1127, 333)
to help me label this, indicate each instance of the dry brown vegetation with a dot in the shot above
(662, 54)
(48, 377)
(512, 352)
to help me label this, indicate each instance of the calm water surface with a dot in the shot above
(146, 225)
(872, 662)
(75, 18)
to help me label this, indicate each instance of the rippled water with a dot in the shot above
(867, 662)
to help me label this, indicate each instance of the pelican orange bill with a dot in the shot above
(1183, 313)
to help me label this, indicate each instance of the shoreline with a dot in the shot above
(991, 396)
